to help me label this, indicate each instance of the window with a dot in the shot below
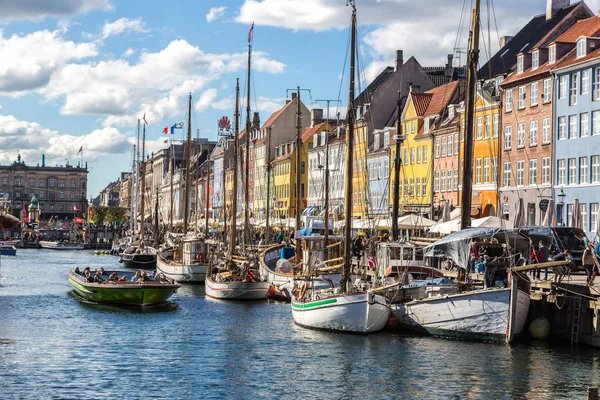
(507, 100)
(412, 127)
(594, 215)
(449, 145)
(4, 182)
(595, 169)
(552, 54)
(424, 154)
(444, 146)
(72, 195)
(581, 47)
(437, 147)
(534, 93)
(486, 130)
(506, 175)
(495, 126)
(479, 127)
(478, 170)
(462, 129)
(572, 126)
(595, 122)
(51, 183)
(455, 179)
(519, 64)
(585, 81)
(562, 87)
(436, 182)
(412, 155)
(62, 184)
(562, 128)
(406, 159)
(533, 172)
(584, 124)
(545, 170)
(521, 136)
(32, 183)
(41, 194)
(443, 181)
(449, 180)
(574, 80)
(596, 94)
(495, 169)
(386, 140)
(412, 186)
(424, 187)
(583, 170)
(533, 133)
(547, 90)
(418, 155)
(486, 170)
(522, 90)
(535, 59)
(418, 187)
(456, 143)
(584, 219)
(507, 137)
(520, 173)
(562, 173)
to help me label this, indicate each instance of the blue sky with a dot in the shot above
(80, 72)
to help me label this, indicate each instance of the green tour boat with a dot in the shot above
(125, 292)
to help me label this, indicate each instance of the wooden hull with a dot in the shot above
(131, 259)
(283, 283)
(123, 293)
(236, 290)
(490, 315)
(194, 273)
(359, 312)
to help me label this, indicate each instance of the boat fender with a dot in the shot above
(303, 288)
(371, 298)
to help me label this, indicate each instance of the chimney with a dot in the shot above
(504, 40)
(293, 96)
(552, 7)
(399, 60)
(316, 116)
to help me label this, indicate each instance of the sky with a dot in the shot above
(80, 73)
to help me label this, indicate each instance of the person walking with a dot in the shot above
(543, 255)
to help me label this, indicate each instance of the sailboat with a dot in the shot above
(140, 256)
(187, 259)
(498, 313)
(236, 277)
(316, 302)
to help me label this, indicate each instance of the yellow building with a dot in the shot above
(282, 181)
(421, 114)
(485, 154)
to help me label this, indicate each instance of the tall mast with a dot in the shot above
(397, 164)
(207, 192)
(223, 197)
(198, 154)
(269, 199)
(136, 173)
(172, 167)
(143, 174)
(236, 139)
(298, 171)
(188, 152)
(349, 156)
(247, 160)
(133, 183)
(472, 59)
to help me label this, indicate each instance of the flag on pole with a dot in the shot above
(178, 125)
(146, 122)
(250, 33)
(80, 150)
(166, 130)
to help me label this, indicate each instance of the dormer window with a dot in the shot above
(451, 111)
(552, 54)
(386, 140)
(581, 47)
(520, 64)
(535, 59)
(376, 142)
(316, 141)
(426, 121)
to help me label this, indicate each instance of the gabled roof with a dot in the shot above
(276, 114)
(441, 95)
(307, 133)
(420, 102)
(585, 27)
(570, 58)
(535, 31)
(366, 95)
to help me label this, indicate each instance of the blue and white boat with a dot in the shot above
(7, 249)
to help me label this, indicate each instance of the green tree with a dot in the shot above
(115, 214)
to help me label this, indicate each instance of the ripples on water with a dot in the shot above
(52, 345)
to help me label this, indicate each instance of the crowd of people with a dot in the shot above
(102, 276)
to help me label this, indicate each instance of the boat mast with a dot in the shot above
(172, 167)
(136, 173)
(188, 152)
(198, 154)
(326, 220)
(223, 197)
(207, 192)
(269, 199)
(133, 184)
(247, 155)
(397, 164)
(472, 59)
(236, 133)
(349, 156)
(143, 177)
(156, 235)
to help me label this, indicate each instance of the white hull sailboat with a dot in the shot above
(182, 273)
(355, 312)
(282, 282)
(497, 314)
(46, 244)
(191, 263)
(236, 290)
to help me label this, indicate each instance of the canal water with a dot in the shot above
(53, 345)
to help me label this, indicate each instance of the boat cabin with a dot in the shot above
(194, 250)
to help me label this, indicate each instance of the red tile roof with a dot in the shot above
(585, 27)
(307, 133)
(528, 73)
(281, 158)
(570, 58)
(441, 95)
(420, 101)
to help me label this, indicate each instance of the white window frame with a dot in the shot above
(581, 47)
(535, 59)
(562, 128)
(507, 101)
(595, 123)
(506, 175)
(520, 173)
(584, 170)
(534, 89)
(521, 136)
(545, 170)
(572, 170)
(573, 124)
(546, 131)
(595, 169)
(521, 98)
(562, 87)
(533, 172)
(596, 84)
(477, 170)
(574, 80)
(533, 133)
(520, 64)
(584, 124)
(507, 137)
(486, 170)
(585, 81)
(552, 54)
(547, 94)
(561, 176)
(495, 125)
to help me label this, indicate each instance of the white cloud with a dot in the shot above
(215, 13)
(31, 140)
(206, 99)
(36, 9)
(223, 104)
(29, 61)
(128, 53)
(123, 25)
(269, 104)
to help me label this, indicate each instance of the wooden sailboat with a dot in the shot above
(186, 260)
(140, 256)
(498, 313)
(316, 302)
(236, 277)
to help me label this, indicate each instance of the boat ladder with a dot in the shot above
(576, 315)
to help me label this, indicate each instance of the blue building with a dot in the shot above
(576, 121)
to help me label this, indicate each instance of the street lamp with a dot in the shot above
(561, 202)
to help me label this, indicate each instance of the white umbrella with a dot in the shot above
(413, 221)
(456, 213)
(491, 222)
(446, 228)
(576, 217)
(519, 220)
(550, 217)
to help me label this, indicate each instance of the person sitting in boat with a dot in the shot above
(357, 246)
(88, 276)
(114, 277)
(98, 277)
(122, 279)
(137, 276)
(77, 271)
(144, 277)
(103, 272)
